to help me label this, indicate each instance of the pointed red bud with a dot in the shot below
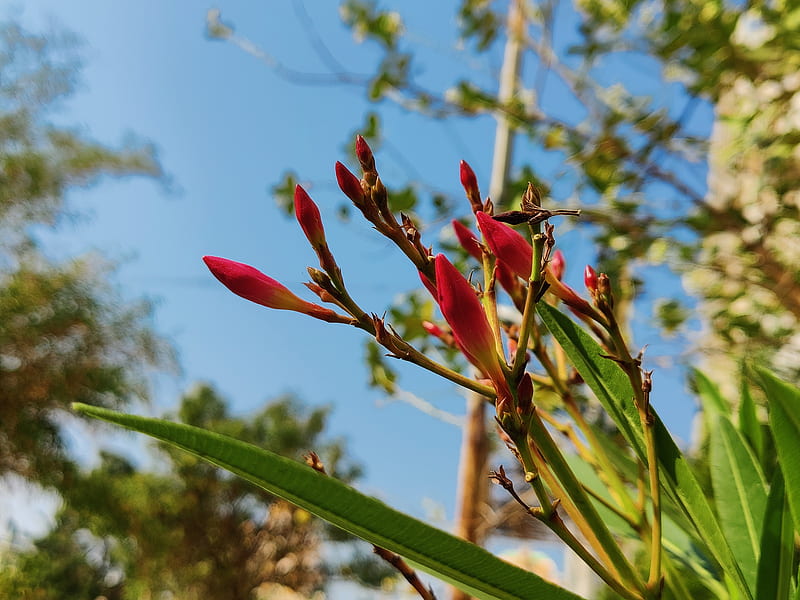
(471, 330)
(558, 264)
(470, 183)
(307, 214)
(590, 279)
(251, 284)
(349, 184)
(507, 245)
(437, 332)
(568, 296)
(364, 154)
(468, 240)
(432, 329)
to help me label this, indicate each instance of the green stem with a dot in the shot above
(633, 370)
(585, 509)
(529, 312)
(654, 579)
(489, 301)
(635, 525)
(413, 355)
(532, 476)
(618, 488)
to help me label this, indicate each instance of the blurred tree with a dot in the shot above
(65, 333)
(189, 529)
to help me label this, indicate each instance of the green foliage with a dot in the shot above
(39, 162)
(65, 332)
(61, 566)
(468, 567)
(189, 529)
(677, 476)
(737, 477)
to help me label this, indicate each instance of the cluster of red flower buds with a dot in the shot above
(474, 327)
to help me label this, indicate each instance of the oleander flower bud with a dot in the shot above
(590, 279)
(350, 185)
(558, 264)
(307, 214)
(251, 284)
(470, 183)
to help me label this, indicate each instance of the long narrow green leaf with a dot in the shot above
(628, 468)
(784, 418)
(453, 560)
(741, 494)
(710, 397)
(676, 474)
(777, 546)
(678, 545)
(749, 424)
(605, 379)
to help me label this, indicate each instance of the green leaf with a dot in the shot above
(678, 545)
(749, 424)
(711, 400)
(676, 475)
(710, 396)
(776, 546)
(613, 390)
(605, 378)
(740, 492)
(455, 561)
(784, 417)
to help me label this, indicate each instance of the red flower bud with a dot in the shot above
(349, 184)
(432, 329)
(468, 240)
(470, 183)
(568, 296)
(558, 264)
(364, 154)
(507, 245)
(437, 332)
(471, 330)
(251, 284)
(307, 215)
(525, 396)
(590, 279)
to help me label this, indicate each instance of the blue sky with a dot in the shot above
(226, 128)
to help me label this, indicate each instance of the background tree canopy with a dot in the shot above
(65, 332)
(67, 335)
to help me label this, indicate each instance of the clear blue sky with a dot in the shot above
(226, 128)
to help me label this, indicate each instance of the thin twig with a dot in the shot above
(313, 460)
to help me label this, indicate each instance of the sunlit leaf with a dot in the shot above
(740, 492)
(612, 389)
(776, 545)
(455, 561)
